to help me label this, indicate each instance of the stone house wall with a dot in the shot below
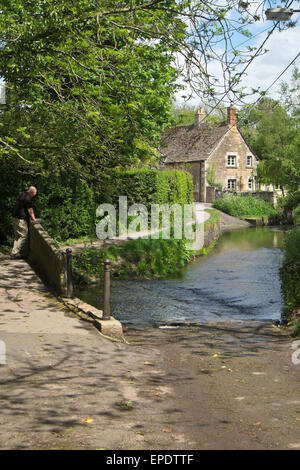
(233, 144)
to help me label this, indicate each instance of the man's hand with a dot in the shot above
(32, 216)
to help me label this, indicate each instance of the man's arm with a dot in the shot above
(31, 214)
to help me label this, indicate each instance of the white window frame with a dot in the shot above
(250, 183)
(229, 184)
(234, 159)
(249, 165)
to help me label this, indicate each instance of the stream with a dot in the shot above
(237, 281)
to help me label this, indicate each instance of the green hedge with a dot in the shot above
(290, 273)
(66, 205)
(67, 208)
(245, 206)
(297, 216)
(150, 186)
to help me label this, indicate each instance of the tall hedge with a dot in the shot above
(67, 205)
(150, 186)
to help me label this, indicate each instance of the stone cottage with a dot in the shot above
(204, 146)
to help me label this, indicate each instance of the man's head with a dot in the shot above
(32, 191)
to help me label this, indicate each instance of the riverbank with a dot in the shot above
(140, 255)
(290, 276)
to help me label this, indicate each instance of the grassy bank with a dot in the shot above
(246, 207)
(290, 275)
(142, 258)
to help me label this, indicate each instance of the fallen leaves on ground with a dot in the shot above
(87, 420)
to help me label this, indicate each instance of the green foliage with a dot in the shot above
(214, 217)
(65, 204)
(211, 177)
(245, 206)
(290, 273)
(67, 207)
(150, 187)
(144, 258)
(296, 331)
(297, 216)
(88, 86)
(183, 115)
(272, 130)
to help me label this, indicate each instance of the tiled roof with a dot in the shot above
(189, 143)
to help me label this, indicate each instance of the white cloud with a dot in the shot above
(283, 47)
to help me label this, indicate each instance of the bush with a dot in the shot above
(67, 207)
(150, 186)
(297, 216)
(245, 206)
(147, 258)
(65, 204)
(290, 273)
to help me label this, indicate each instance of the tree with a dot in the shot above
(272, 129)
(89, 82)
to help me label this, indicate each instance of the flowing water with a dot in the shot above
(238, 280)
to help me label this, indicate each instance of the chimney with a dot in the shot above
(199, 118)
(231, 116)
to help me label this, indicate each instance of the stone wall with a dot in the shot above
(210, 194)
(46, 256)
(211, 233)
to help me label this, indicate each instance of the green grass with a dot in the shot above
(75, 241)
(245, 207)
(214, 217)
(142, 258)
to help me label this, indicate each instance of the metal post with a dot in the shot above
(69, 273)
(106, 303)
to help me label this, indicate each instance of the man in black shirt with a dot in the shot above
(22, 213)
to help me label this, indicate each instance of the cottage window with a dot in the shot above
(231, 184)
(249, 160)
(231, 160)
(250, 183)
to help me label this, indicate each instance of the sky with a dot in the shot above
(282, 46)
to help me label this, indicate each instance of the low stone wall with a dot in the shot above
(47, 257)
(211, 233)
